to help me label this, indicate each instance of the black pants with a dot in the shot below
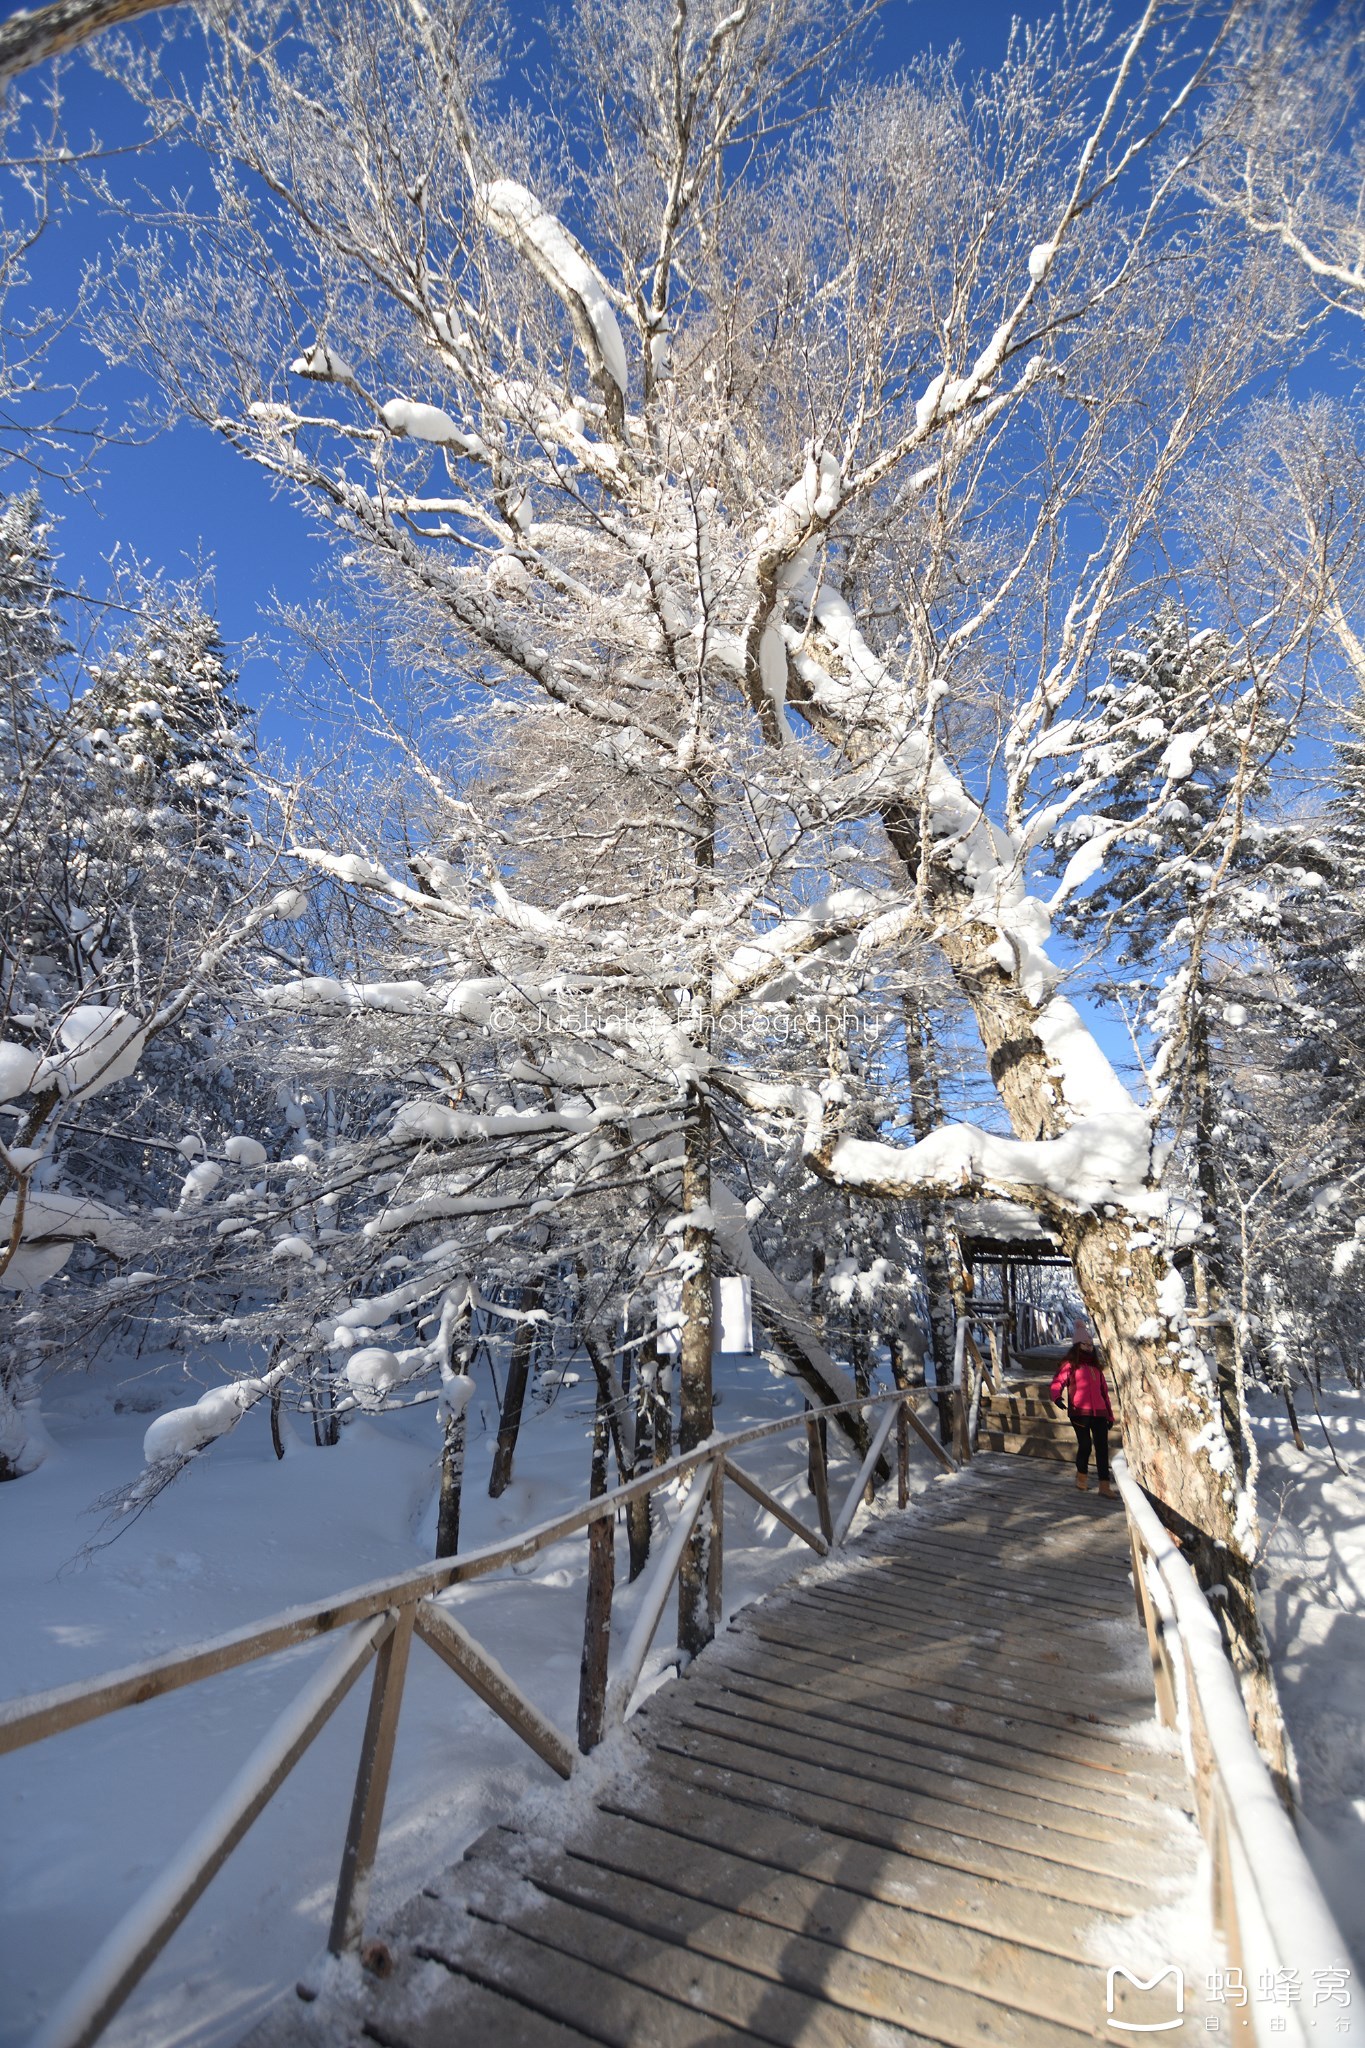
(1091, 1429)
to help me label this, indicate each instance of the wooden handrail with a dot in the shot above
(382, 1618)
(1268, 1904)
(81, 2015)
(32, 1717)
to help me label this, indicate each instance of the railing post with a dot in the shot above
(818, 1475)
(902, 1456)
(1163, 1683)
(961, 1432)
(715, 1549)
(592, 1670)
(371, 1785)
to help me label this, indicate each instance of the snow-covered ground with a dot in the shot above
(88, 1819)
(1313, 1598)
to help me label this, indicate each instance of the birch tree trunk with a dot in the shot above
(638, 1516)
(452, 1486)
(926, 1112)
(696, 1403)
(1123, 1276)
(456, 1325)
(1210, 1267)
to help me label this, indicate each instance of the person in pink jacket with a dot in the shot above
(1080, 1377)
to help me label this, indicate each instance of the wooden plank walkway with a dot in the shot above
(887, 1808)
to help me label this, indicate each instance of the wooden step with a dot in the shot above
(1025, 1411)
(840, 1975)
(789, 1847)
(950, 1848)
(778, 1887)
(631, 1984)
(1049, 1447)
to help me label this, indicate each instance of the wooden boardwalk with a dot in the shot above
(888, 1807)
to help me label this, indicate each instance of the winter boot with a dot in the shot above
(1107, 1491)
(1081, 1482)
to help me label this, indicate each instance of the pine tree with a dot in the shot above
(31, 639)
(1178, 747)
(170, 740)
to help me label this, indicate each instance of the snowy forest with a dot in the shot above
(842, 674)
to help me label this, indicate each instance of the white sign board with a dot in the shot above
(732, 1310)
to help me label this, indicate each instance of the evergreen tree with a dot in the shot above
(169, 741)
(1175, 750)
(123, 863)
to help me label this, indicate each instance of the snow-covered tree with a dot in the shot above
(844, 444)
(120, 912)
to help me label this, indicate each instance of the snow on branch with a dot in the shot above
(40, 1227)
(1104, 1157)
(1100, 1159)
(552, 252)
(182, 1432)
(871, 919)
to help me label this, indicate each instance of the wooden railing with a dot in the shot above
(1267, 1903)
(972, 1375)
(379, 1621)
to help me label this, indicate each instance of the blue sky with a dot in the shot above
(182, 497)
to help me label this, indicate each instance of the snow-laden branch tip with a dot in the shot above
(322, 365)
(863, 920)
(518, 217)
(182, 1432)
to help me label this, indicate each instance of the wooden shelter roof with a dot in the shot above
(1004, 1231)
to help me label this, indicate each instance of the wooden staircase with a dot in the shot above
(1020, 1417)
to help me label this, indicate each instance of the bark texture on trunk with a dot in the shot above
(43, 32)
(638, 1517)
(1174, 1436)
(452, 1485)
(592, 1673)
(1210, 1263)
(696, 1401)
(926, 1114)
(1175, 1440)
(514, 1393)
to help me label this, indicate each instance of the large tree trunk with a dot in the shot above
(697, 1405)
(1168, 1405)
(1174, 1437)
